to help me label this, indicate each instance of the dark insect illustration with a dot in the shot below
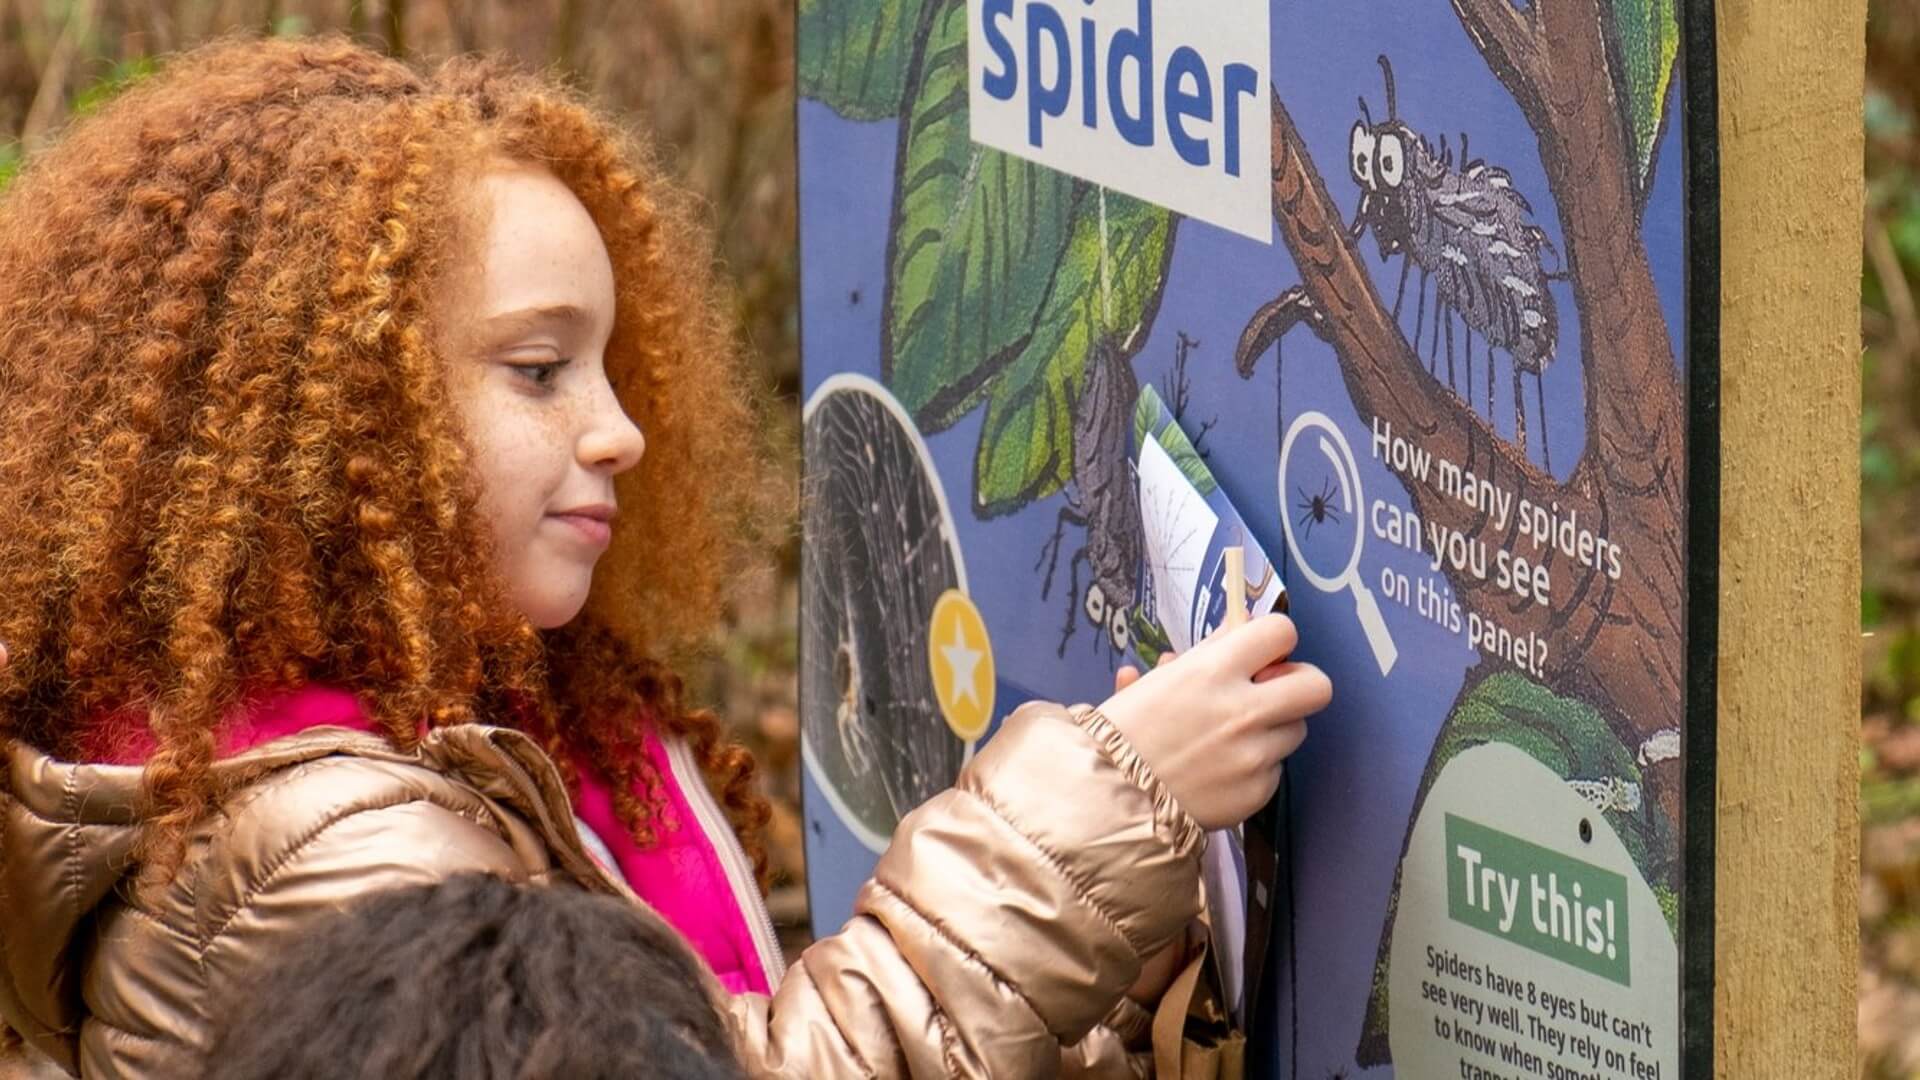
(1317, 509)
(1178, 391)
(881, 552)
(1104, 500)
(1469, 231)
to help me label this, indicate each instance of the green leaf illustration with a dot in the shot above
(1152, 417)
(1105, 285)
(853, 54)
(1647, 40)
(976, 235)
(1568, 736)
(1149, 637)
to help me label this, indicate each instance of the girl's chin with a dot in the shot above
(553, 620)
(548, 610)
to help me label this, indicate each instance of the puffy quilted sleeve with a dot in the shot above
(328, 831)
(1004, 922)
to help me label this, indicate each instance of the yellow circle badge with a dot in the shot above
(961, 660)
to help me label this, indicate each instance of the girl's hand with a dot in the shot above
(1216, 726)
(1125, 677)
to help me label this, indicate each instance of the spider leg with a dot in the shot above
(1420, 313)
(1489, 382)
(1519, 411)
(1540, 397)
(1050, 551)
(1451, 385)
(1440, 310)
(1469, 331)
(1400, 291)
(1073, 600)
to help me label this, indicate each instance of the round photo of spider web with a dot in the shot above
(878, 551)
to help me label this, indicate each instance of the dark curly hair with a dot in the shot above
(473, 978)
(227, 459)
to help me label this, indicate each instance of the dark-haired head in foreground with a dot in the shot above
(477, 978)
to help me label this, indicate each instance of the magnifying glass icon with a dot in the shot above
(1337, 503)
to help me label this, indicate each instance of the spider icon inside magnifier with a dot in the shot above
(1322, 511)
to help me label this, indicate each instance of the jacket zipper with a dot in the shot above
(733, 860)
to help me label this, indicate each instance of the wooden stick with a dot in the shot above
(1236, 557)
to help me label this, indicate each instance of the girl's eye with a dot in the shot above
(541, 375)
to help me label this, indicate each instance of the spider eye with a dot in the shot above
(1361, 155)
(1392, 160)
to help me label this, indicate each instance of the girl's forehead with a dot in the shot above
(540, 255)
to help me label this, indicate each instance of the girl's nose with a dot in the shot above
(614, 442)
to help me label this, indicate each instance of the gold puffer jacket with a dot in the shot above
(995, 939)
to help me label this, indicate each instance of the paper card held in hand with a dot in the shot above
(1187, 525)
(1193, 538)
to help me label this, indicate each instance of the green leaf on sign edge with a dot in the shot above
(950, 326)
(853, 55)
(1025, 451)
(1646, 35)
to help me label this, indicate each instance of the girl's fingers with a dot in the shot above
(1273, 752)
(3, 654)
(1260, 642)
(1281, 667)
(1125, 677)
(1283, 741)
(1293, 691)
(1265, 749)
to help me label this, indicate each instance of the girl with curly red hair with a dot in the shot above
(370, 440)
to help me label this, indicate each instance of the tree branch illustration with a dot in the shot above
(1614, 643)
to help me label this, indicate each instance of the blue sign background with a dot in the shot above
(1354, 783)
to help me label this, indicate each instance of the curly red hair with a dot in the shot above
(227, 458)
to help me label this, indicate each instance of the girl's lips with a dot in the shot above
(592, 530)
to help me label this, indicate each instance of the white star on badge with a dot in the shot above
(963, 661)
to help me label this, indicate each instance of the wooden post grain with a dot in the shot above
(1787, 934)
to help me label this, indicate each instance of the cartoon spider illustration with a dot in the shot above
(1317, 509)
(1469, 231)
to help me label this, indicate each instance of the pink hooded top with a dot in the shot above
(695, 874)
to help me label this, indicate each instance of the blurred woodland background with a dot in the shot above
(1890, 537)
(713, 80)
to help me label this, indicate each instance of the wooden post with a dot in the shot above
(1787, 936)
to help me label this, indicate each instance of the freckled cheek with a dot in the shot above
(519, 473)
